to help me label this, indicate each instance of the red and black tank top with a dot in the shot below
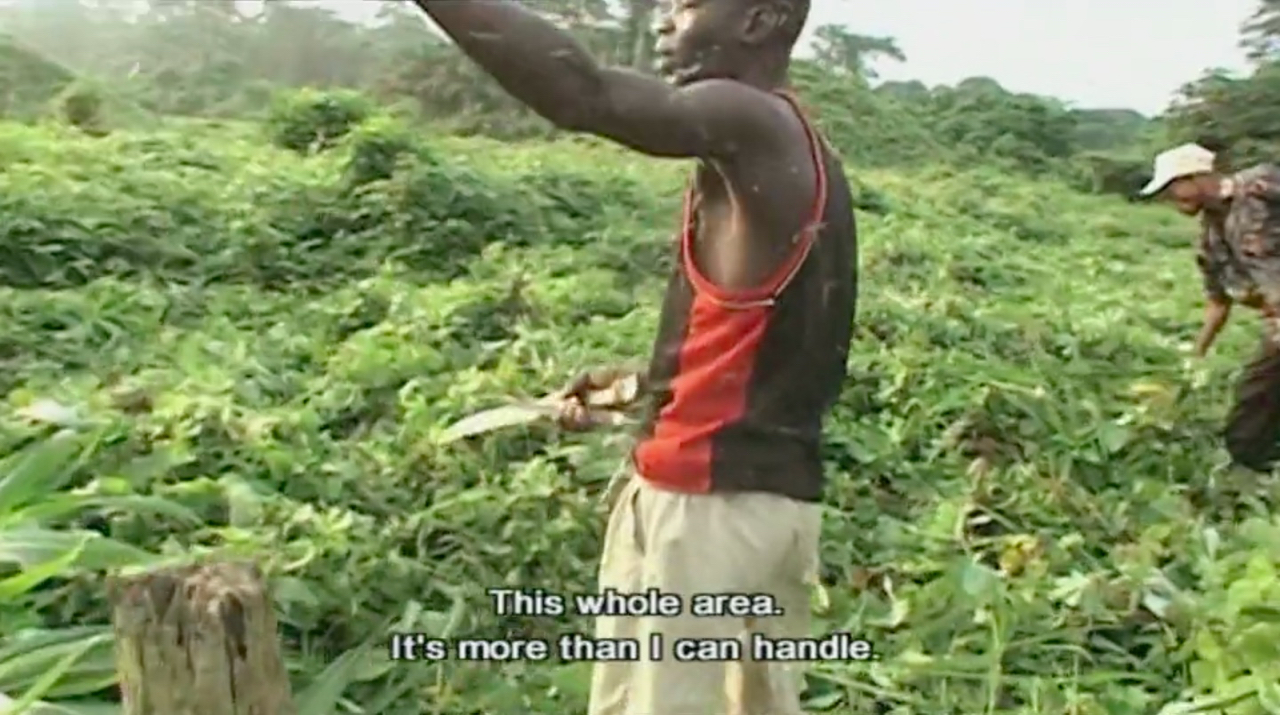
(741, 380)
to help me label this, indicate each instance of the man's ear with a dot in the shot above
(763, 20)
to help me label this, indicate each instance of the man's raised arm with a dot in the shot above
(548, 70)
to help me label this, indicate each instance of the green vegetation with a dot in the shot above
(261, 321)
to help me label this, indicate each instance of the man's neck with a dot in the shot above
(767, 76)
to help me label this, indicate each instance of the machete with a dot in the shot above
(604, 407)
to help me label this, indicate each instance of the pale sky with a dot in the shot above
(1094, 53)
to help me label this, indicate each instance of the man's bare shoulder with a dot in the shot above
(715, 119)
(743, 110)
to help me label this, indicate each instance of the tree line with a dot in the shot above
(99, 62)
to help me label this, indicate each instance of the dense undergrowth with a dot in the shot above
(1025, 511)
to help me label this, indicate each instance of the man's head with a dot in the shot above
(1185, 176)
(728, 39)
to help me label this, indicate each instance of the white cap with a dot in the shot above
(1176, 163)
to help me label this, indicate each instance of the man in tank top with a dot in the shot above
(752, 342)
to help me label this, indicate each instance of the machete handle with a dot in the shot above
(620, 394)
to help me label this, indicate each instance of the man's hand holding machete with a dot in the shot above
(621, 387)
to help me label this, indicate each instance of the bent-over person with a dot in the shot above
(1239, 260)
(752, 341)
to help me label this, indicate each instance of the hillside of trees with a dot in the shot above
(124, 62)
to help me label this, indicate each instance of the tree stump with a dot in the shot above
(198, 640)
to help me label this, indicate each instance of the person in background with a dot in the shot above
(752, 341)
(1239, 259)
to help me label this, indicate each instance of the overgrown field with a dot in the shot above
(1026, 512)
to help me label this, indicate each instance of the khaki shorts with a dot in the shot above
(688, 544)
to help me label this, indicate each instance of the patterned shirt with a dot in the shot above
(1239, 255)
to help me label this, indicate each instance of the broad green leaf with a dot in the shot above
(324, 695)
(66, 504)
(23, 660)
(29, 545)
(76, 708)
(50, 677)
(34, 575)
(39, 470)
